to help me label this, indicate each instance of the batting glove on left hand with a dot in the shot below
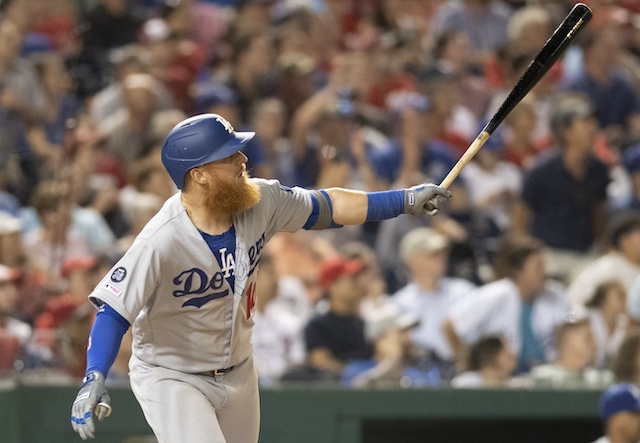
(92, 398)
(425, 198)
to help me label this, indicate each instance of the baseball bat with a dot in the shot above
(555, 46)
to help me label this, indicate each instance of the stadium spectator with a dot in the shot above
(430, 294)
(48, 137)
(22, 104)
(621, 262)
(108, 25)
(626, 363)
(14, 333)
(395, 362)
(334, 338)
(11, 250)
(521, 147)
(129, 129)
(563, 200)
(616, 102)
(490, 364)
(50, 245)
(493, 185)
(522, 306)
(609, 320)
(278, 343)
(574, 364)
(268, 118)
(484, 21)
(629, 200)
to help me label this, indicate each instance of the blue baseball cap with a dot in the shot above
(199, 140)
(621, 397)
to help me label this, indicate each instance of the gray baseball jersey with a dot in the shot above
(174, 292)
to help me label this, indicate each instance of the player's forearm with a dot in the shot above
(104, 340)
(349, 206)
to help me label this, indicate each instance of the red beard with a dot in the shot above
(231, 197)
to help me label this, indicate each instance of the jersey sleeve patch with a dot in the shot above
(109, 287)
(119, 274)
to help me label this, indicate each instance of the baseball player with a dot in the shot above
(187, 285)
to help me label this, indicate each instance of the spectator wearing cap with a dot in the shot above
(619, 410)
(129, 129)
(129, 59)
(394, 362)
(14, 333)
(430, 294)
(573, 366)
(621, 262)
(522, 305)
(564, 197)
(336, 337)
(490, 364)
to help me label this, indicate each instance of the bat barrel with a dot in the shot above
(556, 45)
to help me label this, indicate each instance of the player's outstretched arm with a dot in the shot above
(355, 207)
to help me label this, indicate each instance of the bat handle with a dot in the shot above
(462, 162)
(465, 159)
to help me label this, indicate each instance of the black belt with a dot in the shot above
(216, 372)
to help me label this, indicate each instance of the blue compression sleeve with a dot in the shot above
(105, 338)
(385, 204)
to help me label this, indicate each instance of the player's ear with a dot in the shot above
(196, 175)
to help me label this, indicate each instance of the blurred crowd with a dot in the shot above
(528, 277)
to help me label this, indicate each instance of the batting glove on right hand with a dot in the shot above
(426, 198)
(92, 398)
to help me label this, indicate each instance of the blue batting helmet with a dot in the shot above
(199, 140)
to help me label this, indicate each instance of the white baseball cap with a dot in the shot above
(385, 318)
(422, 240)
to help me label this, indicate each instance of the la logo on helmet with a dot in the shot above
(226, 124)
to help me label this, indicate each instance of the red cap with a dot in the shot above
(82, 264)
(334, 268)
